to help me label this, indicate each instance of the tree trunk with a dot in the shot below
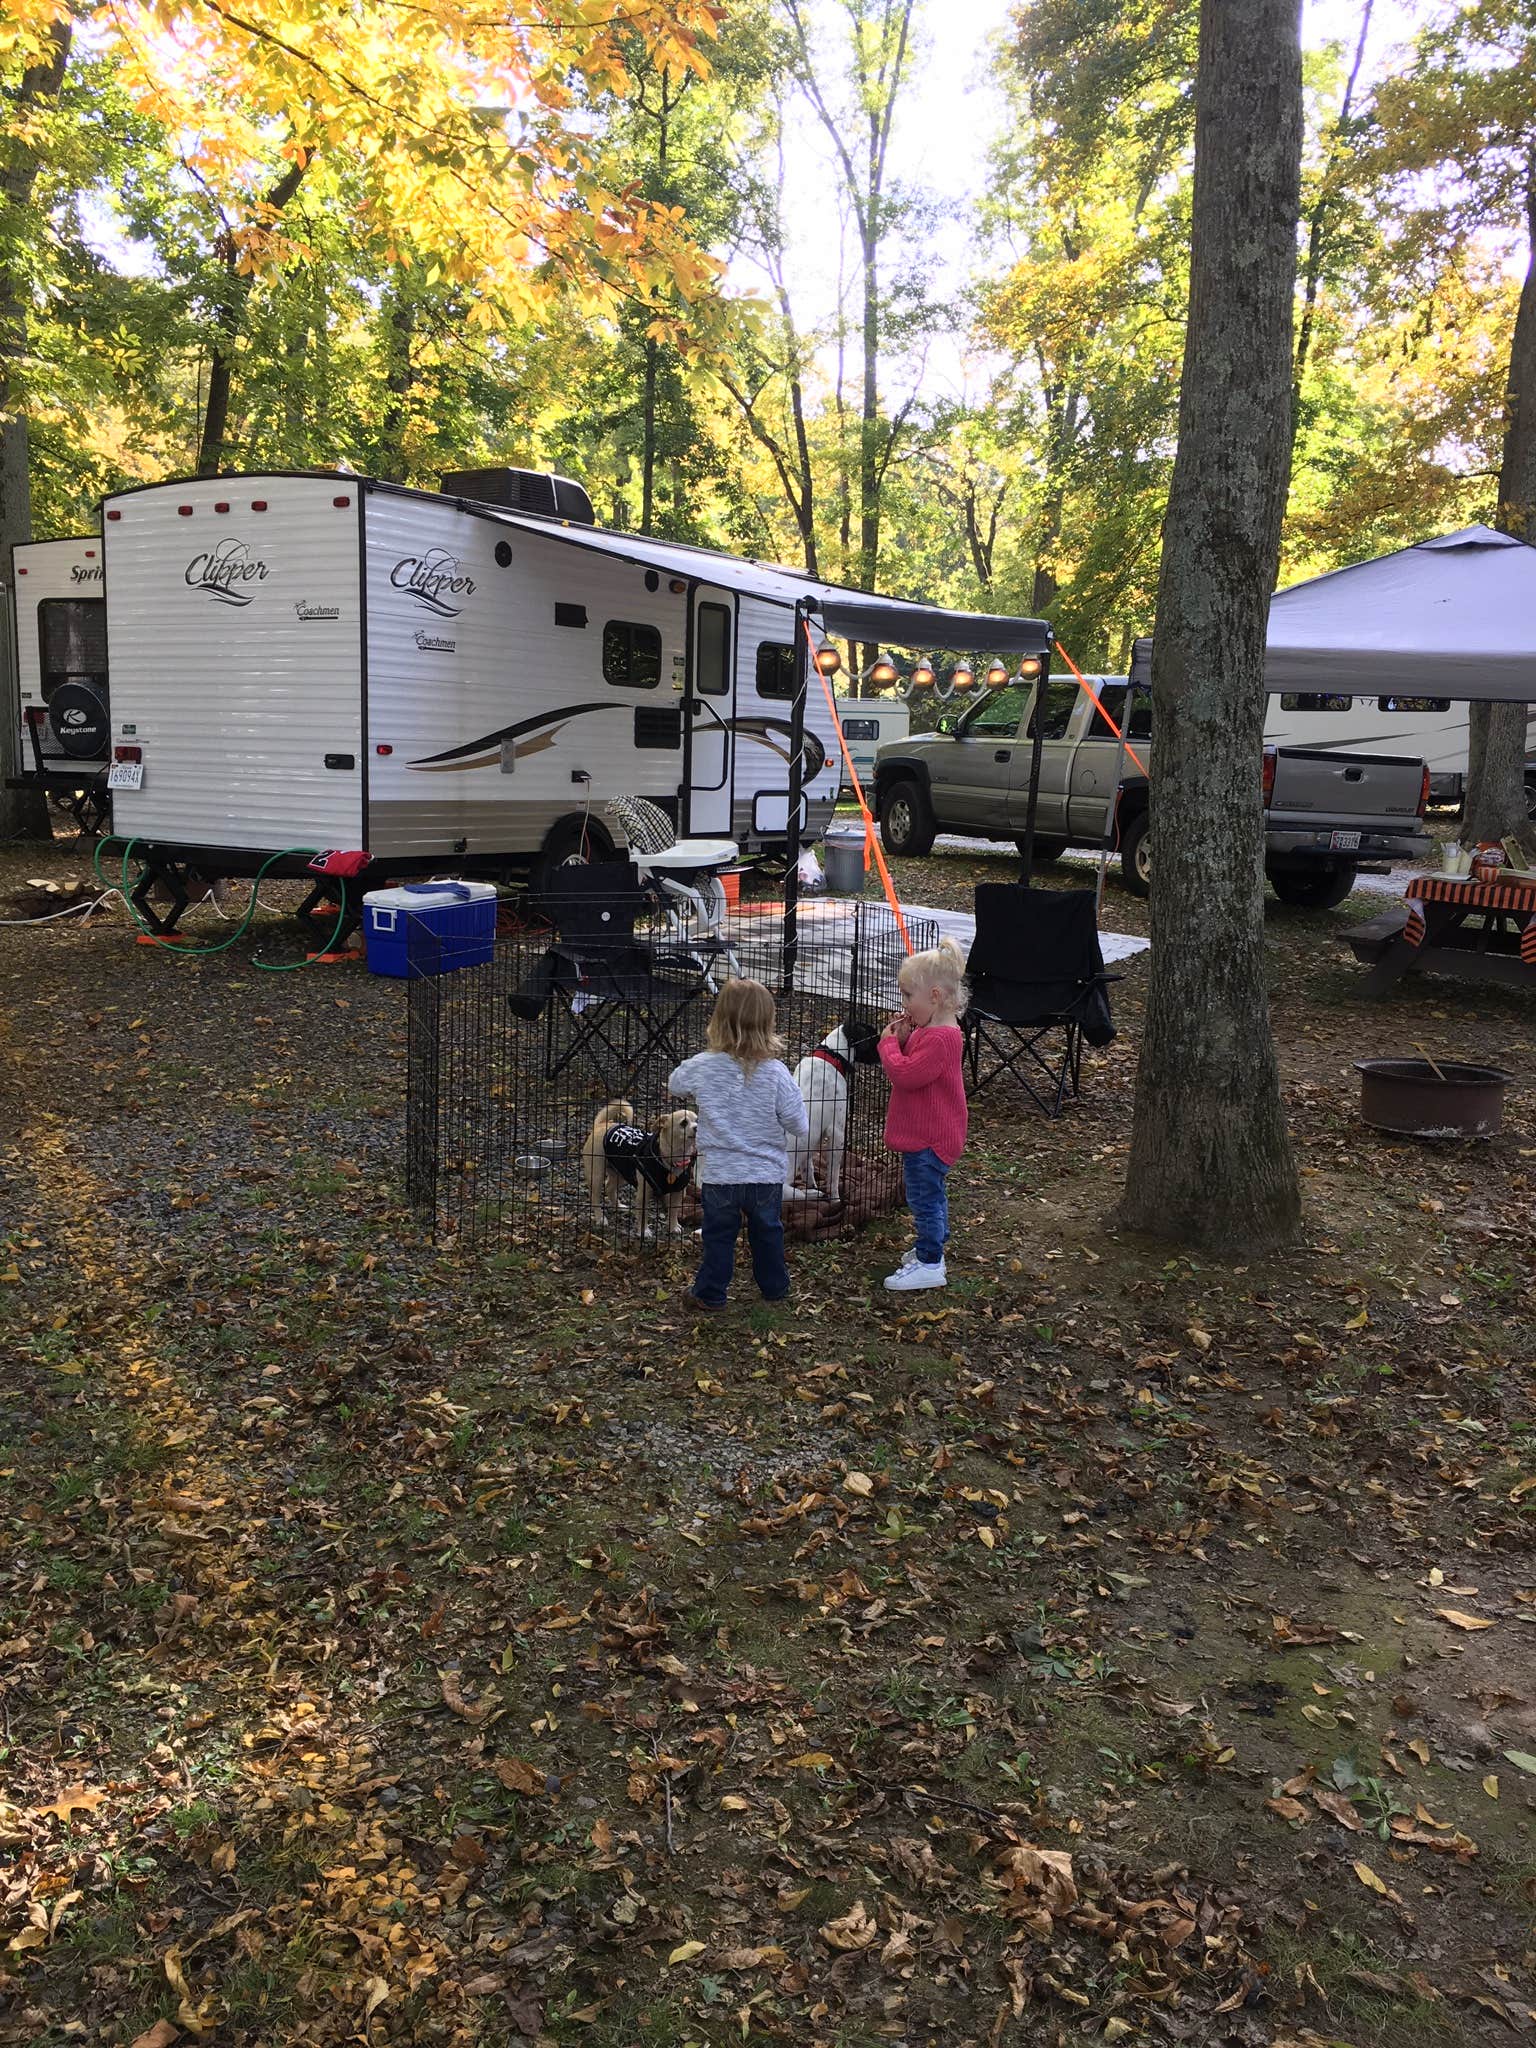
(391, 457)
(1497, 800)
(1320, 222)
(23, 813)
(1211, 1162)
(648, 440)
(228, 321)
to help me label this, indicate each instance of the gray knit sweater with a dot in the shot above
(744, 1117)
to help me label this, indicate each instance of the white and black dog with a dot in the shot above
(822, 1078)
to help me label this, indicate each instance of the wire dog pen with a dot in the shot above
(512, 1064)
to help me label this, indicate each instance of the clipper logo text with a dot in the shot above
(224, 571)
(432, 579)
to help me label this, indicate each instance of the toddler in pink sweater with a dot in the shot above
(922, 1054)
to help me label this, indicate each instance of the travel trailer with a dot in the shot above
(866, 722)
(323, 661)
(59, 660)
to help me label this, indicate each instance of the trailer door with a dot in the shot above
(709, 707)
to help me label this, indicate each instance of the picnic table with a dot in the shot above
(1483, 931)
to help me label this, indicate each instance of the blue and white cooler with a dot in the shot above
(429, 927)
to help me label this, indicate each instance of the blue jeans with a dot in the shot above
(725, 1204)
(927, 1184)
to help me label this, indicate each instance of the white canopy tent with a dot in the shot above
(1451, 617)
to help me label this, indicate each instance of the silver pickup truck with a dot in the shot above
(1324, 812)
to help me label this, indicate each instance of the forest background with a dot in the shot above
(893, 291)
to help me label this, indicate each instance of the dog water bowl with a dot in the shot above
(1410, 1098)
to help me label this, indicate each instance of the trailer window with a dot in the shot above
(776, 671)
(72, 641)
(631, 655)
(1314, 700)
(861, 728)
(713, 631)
(1413, 704)
(1112, 697)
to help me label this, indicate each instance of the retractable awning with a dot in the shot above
(891, 622)
(1450, 617)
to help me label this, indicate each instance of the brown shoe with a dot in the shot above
(702, 1308)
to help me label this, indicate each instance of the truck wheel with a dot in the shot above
(1136, 856)
(907, 825)
(1315, 888)
(1045, 849)
(571, 842)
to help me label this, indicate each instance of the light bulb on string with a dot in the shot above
(882, 672)
(997, 674)
(962, 677)
(828, 660)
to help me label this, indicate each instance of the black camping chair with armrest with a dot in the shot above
(622, 996)
(1035, 971)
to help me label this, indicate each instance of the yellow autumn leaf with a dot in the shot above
(1491, 1786)
(810, 1760)
(859, 1483)
(686, 1951)
(1368, 1877)
(734, 1803)
(1457, 1619)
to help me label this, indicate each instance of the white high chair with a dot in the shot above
(684, 875)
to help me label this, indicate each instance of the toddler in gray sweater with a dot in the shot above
(749, 1107)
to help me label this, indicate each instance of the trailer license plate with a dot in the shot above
(1344, 842)
(126, 775)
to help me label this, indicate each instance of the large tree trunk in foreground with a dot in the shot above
(1496, 794)
(1211, 1162)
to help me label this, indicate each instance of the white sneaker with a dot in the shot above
(912, 1275)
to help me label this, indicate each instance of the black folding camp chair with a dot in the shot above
(1037, 990)
(604, 993)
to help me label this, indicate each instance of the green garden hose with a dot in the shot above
(196, 952)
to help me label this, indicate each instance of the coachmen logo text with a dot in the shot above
(432, 579)
(224, 571)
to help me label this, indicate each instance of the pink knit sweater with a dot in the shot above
(928, 1109)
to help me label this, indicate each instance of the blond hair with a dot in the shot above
(743, 1023)
(943, 969)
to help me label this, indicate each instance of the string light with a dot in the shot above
(828, 660)
(962, 676)
(882, 672)
(997, 674)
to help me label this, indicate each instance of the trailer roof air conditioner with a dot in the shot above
(522, 490)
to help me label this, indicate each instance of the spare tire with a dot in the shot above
(77, 714)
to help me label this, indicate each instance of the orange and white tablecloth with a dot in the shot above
(1516, 899)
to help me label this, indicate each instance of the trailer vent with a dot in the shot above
(655, 727)
(522, 490)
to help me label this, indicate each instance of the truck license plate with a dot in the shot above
(126, 775)
(1344, 842)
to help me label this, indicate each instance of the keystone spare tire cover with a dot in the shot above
(77, 713)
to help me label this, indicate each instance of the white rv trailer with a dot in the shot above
(59, 659)
(866, 722)
(322, 661)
